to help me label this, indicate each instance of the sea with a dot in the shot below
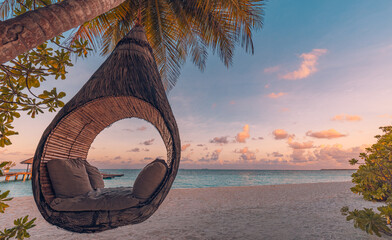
(203, 178)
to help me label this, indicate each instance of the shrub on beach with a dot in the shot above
(373, 180)
(374, 176)
(21, 225)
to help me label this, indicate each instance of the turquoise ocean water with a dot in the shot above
(208, 178)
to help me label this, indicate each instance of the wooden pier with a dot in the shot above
(25, 176)
(110, 176)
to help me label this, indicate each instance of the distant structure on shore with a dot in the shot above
(25, 175)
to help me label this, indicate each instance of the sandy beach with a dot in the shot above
(295, 211)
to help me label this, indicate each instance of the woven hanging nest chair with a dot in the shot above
(126, 85)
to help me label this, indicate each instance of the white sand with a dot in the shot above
(297, 211)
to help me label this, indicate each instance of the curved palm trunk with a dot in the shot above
(24, 32)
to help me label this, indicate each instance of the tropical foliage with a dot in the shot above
(174, 28)
(178, 28)
(26, 72)
(21, 225)
(7, 165)
(374, 176)
(373, 180)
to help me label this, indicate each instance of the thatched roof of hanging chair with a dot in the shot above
(126, 85)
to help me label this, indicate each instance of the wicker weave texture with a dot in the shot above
(126, 85)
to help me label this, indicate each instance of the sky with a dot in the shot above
(312, 96)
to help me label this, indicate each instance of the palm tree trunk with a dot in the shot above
(24, 32)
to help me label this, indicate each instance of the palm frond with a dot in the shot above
(7, 8)
(94, 29)
(178, 28)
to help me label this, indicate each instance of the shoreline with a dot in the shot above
(285, 211)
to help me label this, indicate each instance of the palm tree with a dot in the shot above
(27, 31)
(178, 28)
(175, 28)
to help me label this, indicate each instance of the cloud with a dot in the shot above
(148, 142)
(277, 162)
(385, 116)
(142, 128)
(242, 136)
(134, 150)
(147, 159)
(272, 69)
(246, 155)
(117, 158)
(259, 138)
(200, 145)
(267, 85)
(337, 153)
(276, 95)
(330, 133)
(284, 109)
(301, 156)
(232, 102)
(277, 154)
(6, 152)
(345, 117)
(298, 145)
(308, 65)
(219, 140)
(184, 147)
(213, 157)
(186, 159)
(327, 154)
(105, 164)
(280, 134)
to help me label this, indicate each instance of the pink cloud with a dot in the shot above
(211, 157)
(276, 95)
(242, 136)
(337, 153)
(184, 147)
(301, 156)
(280, 134)
(346, 117)
(246, 155)
(272, 69)
(219, 140)
(308, 65)
(298, 145)
(148, 142)
(330, 133)
(232, 102)
(326, 154)
(134, 150)
(385, 116)
(142, 128)
(276, 154)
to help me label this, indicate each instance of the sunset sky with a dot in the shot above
(312, 96)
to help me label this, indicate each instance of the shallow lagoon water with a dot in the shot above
(201, 178)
